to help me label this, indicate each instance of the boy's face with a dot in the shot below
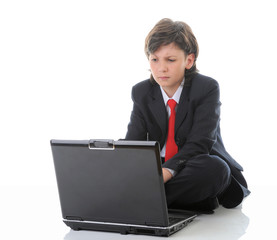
(168, 64)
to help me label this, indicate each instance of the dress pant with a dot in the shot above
(204, 177)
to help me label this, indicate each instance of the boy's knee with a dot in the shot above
(213, 172)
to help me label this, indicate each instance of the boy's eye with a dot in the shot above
(154, 60)
(171, 60)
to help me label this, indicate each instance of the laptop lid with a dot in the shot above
(110, 181)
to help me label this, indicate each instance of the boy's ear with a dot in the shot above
(190, 60)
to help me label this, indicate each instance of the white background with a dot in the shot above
(67, 68)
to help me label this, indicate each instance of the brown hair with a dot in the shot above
(167, 31)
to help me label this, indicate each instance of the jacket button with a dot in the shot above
(181, 163)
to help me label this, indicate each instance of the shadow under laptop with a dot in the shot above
(227, 224)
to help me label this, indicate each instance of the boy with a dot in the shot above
(180, 108)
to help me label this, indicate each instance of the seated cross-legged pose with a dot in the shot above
(180, 108)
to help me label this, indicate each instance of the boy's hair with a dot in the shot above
(167, 31)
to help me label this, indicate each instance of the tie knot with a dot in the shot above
(172, 103)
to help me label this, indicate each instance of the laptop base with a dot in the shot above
(127, 228)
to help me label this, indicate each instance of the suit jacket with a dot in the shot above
(197, 128)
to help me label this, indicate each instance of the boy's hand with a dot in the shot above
(166, 175)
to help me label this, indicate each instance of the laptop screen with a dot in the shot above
(110, 181)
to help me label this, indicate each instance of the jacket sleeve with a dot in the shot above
(203, 132)
(137, 126)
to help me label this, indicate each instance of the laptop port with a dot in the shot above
(145, 231)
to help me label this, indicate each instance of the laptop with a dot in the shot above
(116, 186)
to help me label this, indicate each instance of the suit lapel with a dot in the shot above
(182, 107)
(157, 107)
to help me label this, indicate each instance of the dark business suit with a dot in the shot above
(204, 168)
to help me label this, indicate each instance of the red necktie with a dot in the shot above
(171, 147)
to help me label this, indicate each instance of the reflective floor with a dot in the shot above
(34, 213)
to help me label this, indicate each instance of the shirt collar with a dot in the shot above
(176, 95)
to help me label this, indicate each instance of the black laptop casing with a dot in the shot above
(112, 186)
